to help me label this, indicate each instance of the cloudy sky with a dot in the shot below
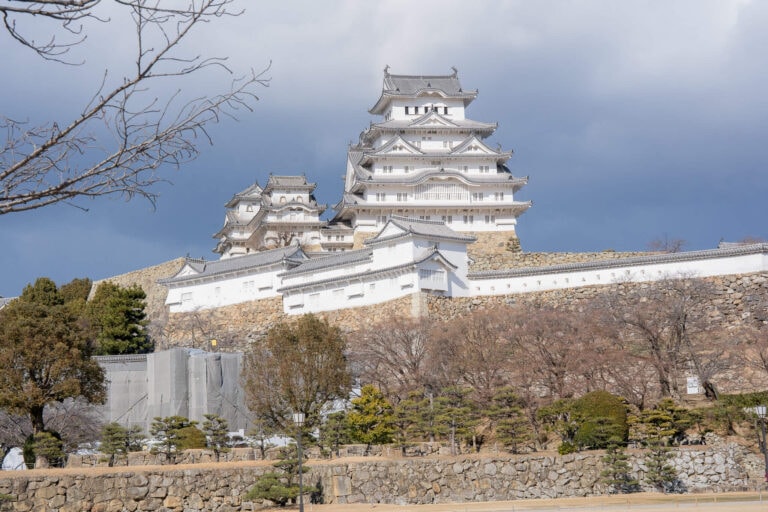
(634, 120)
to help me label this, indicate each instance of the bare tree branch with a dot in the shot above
(46, 164)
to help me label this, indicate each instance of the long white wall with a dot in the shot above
(651, 268)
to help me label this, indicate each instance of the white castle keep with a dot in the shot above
(420, 185)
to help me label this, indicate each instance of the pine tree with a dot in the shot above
(171, 434)
(216, 430)
(280, 486)
(660, 473)
(370, 420)
(513, 429)
(118, 440)
(335, 432)
(118, 320)
(616, 474)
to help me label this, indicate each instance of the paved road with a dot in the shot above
(724, 502)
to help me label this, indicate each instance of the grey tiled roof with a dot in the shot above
(335, 259)
(252, 192)
(425, 228)
(237, 263)
(370, 274)
(401, 124)
(412, 84)
(624, 262)
(294, 182)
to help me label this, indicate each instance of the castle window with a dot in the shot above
(469, 219)
(186, 298)
(381, 196)
(477, 196)
(445, 111)
(415, 110)
(406, 110)
(406, 169)
(402, 196)
(484, 169)
(465, 168)
(499, 196)
(249, 208)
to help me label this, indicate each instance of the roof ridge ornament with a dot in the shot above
(455, 72)
(386, 70)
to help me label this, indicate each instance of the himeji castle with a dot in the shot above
(426, 159)
(421, 185)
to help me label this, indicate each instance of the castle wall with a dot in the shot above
(461, 479)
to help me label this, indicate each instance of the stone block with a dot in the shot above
(342, 486)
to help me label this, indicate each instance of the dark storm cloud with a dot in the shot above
(633, 119)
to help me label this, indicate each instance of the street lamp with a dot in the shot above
(760, 410)
(298, 419)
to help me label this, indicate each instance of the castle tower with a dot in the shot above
(283, 213)
(425, 159)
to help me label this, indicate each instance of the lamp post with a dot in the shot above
(298, 420)
(760, 410)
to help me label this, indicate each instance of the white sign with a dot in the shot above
(693, 386)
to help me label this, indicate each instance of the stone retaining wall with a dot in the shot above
(219, 488)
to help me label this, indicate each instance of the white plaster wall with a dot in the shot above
(742, 264)
(350, 295)
(227, 291)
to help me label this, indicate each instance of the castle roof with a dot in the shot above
(194, 269)
(288, 183)
(253, 193)
(424, 256)
(406, 226)
(405, 86)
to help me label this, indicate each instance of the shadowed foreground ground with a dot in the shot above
(652, 502)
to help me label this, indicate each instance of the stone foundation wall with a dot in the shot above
(235, 327)
(735, 298)
(461, 479)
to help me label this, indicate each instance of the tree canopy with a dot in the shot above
(44, 355)
(298, 367)
(118, 321)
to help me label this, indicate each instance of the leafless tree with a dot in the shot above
(547, 345)
(122, 136)
(666, 244)
(395, 356)
(665, 322)
(475, 350)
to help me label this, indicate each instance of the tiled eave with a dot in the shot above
(364, 276)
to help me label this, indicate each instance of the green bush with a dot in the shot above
(275, 487)
(603, 420)
(190, 437)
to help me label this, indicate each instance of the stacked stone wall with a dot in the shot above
(461, 479)
(235, 327)
(735, 298)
